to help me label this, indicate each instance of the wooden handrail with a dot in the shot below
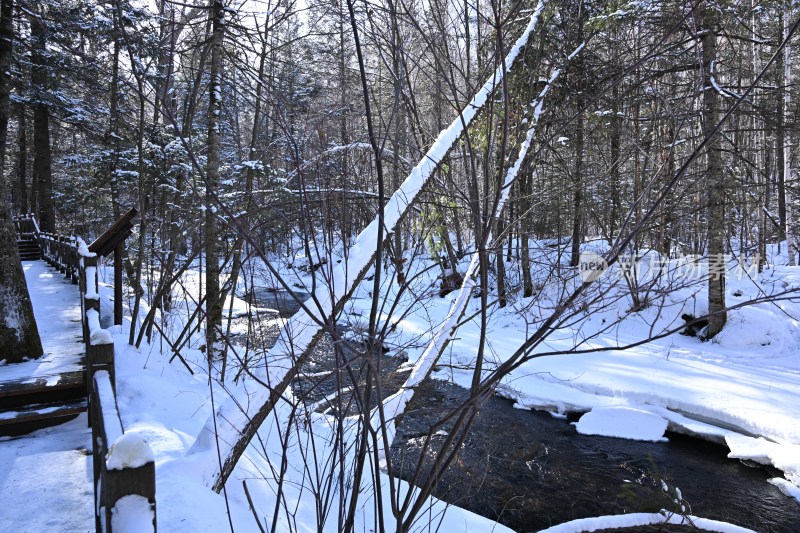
(134, 482)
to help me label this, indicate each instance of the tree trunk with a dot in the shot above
(22, 163)
(715, 180)
(780, 135)
(577, 194)
(793, 205)
(19, 337)
(42, 162)
(213, 303)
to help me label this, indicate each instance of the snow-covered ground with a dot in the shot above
(58, 315)
(742, 388)
(46, 480)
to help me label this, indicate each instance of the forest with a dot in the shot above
(334, 193)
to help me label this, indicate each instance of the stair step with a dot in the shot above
(65, 387)
(32, 417)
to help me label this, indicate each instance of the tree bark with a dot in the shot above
(213, 303)
(19, 337)
(22, 163)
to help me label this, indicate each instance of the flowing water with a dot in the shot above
(529, 470)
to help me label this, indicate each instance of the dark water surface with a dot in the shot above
(283, 302)
(529, 470)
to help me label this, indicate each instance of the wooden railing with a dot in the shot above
(124, 471)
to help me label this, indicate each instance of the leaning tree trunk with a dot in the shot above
(715, 180)
(235, 423)
(19, 337)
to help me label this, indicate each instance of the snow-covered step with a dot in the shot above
(29, 249)
(31, 390)
(30, 418)
(31, 403)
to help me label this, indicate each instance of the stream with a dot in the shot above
(529, 470)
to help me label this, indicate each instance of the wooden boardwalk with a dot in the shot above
(48, 471)
(75, 374)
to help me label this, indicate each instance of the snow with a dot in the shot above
(111, 420)
(623, 422)
(742, 389)
(129, 451)
(46, 480)
(83, 249)
(643, 519)
(132, 514)
(56, 306)
(787, 488)
(97, 335)
(91, 289)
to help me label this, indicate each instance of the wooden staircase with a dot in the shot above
(28, 248)
(33, 403)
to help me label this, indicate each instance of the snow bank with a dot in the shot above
(129, 451)
(623, 422)
(643, 519)
(132, 514)
(785, 457)
(755, 327)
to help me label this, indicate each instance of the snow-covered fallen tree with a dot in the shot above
(236, 421)
(395, 405)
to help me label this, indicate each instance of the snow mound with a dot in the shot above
(786, 487)
(624, 423)
(129, 451)
(754, 326)
(100, 336)
(132, 514)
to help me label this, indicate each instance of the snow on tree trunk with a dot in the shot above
(237, 420)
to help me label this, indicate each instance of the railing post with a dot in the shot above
(118, 285)
(124, 468)
(124, 482)
(99, 343)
